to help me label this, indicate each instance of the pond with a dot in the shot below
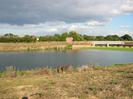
(29, 60)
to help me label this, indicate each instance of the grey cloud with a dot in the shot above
(127, 6)
(39, 11)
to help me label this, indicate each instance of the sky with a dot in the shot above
(47, 17)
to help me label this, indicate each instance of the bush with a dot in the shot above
(69, 46)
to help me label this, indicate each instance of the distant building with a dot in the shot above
(69, 40)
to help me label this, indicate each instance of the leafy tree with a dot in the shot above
(9, 38)
(89, 38)
(9, 35)
(99, 38)
(112, 38)
(64, 36)
(116, 38)
(76, 36)
(57, 37)
(29, 38)
(126, 37)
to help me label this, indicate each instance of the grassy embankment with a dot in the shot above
(113, 48)
(33, 46)
(38, 46)
(52, 46)
(109, 82)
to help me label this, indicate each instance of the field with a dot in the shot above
(108, 82)
(113, 48)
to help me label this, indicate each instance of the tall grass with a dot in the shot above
(87, 82)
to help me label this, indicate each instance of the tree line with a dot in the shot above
(62, 37)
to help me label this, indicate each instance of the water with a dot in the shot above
(29, 60)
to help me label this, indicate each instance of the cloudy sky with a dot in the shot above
(42, 17)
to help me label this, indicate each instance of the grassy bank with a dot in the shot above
(115, 82)
(43, 46)
(113, 48)
(32, 46)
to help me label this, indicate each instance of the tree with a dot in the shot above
(116, 38)
(57, 37)
(99, 38)
(9, 35)
(112, 38)
(29, 38)
(64, 36)
(76, 36)
(89, 38)
(9, 38)
(126, 37)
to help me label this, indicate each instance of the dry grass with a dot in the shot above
(32, 46)
(83, 83)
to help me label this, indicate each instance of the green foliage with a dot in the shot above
(9, 38)
(100, 38)
(62, 37)
(76, 36)
(112, 38)
(89, 38)
(113, 48)
(126, 37)
(69, 46)
(28, 38)
(14, 38)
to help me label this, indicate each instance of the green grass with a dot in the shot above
(81, 83)
(113, 48)
(69, 46)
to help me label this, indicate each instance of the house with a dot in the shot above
(69, 40)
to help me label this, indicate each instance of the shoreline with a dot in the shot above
(13, 68)
(81, 83)
(57, 46)
(64, 49)
(113, 48)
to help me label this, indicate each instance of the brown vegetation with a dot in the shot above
(87, 82)
(31, 46)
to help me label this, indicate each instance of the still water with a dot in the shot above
(29, 60)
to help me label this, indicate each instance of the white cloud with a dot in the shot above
(95, 23)
(49, 28)
(124, 26)
(123, 32)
